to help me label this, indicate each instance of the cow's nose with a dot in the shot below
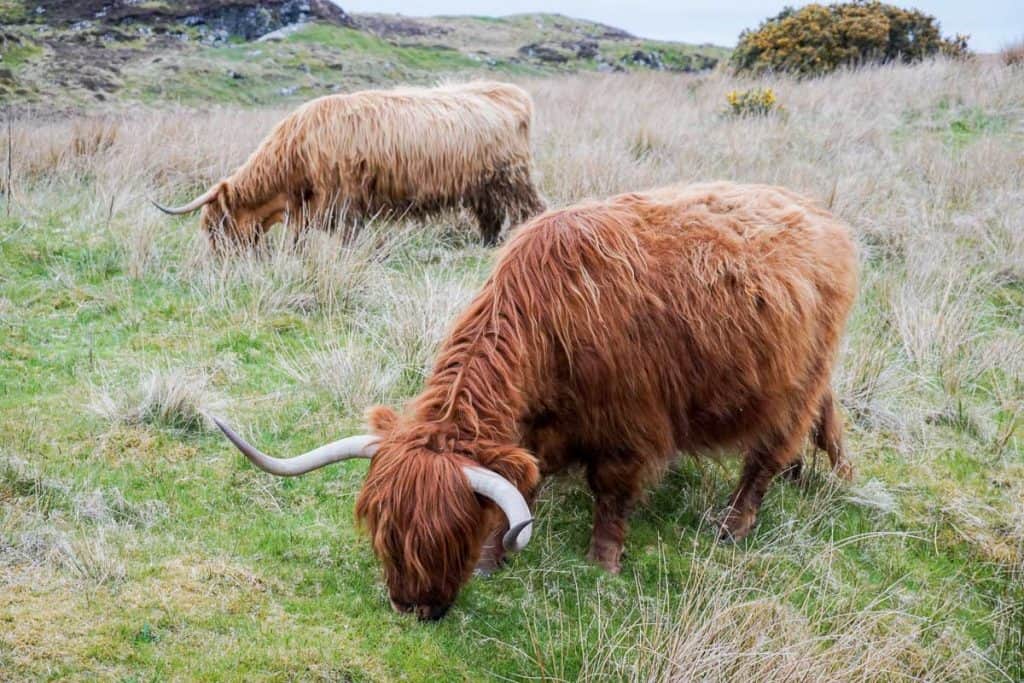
(431, 612)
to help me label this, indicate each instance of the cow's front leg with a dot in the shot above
(492, 554)
(617, 486)
(759, 468)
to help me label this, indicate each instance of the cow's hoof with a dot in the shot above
(612, 565)
(736, 525)
(844, 470)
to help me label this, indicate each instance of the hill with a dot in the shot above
(86, 52)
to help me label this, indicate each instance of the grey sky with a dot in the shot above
(991, 23)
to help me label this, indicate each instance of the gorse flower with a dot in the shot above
(752, 102)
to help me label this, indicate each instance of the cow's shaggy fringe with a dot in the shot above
(616, 334)
(408, 151)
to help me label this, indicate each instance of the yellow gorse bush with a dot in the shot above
(817, 38)
(752, 102)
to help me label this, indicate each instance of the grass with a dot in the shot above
(136, 544)
(14, 55)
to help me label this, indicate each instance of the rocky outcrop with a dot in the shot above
(220, 19)
(544, 53)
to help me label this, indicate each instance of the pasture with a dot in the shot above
(137, 544)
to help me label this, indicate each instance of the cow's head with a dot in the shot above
(229, 222)
(427, 506)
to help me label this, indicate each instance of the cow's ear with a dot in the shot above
(517, 465)
(381, 419)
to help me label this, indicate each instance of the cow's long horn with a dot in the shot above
(196, 203)
(363, 446)
(507, 497)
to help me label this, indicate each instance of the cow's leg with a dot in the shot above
(828, 436)
(492, 555)
(759, 468)
(617, 486)
(525, 202)
(548, 442)
(490, 215)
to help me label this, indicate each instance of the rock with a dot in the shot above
(281, 33)
(544, 53)
(652, 60)
(584, 49)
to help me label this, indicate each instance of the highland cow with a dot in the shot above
(408, 152)
(612, 335)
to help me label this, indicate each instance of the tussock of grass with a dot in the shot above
(174, 397)
(353, 375)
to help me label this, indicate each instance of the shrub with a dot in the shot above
(1014, 53)
(752, 102)
(817, 39)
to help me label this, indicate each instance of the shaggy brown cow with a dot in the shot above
(410, 151)
(612, 335)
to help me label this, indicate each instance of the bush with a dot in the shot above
(817, 39)
(753, 102)
(1013, 54)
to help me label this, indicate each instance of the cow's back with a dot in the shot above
(686, 317)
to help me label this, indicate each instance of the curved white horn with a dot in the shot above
(507, 497)
(196, 203)
(363, 446)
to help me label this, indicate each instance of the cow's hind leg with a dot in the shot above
(617, 485)
(828, 436)
(759, 468)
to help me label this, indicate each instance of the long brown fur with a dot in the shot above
(408, 151)
(614, 335)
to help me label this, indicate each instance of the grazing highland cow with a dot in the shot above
(410, 151)
(612, 335)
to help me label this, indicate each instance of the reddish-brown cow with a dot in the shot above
(613, 335)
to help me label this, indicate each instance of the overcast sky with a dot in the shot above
(991, 23)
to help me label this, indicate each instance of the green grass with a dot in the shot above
(12, 11)
(14, 54)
